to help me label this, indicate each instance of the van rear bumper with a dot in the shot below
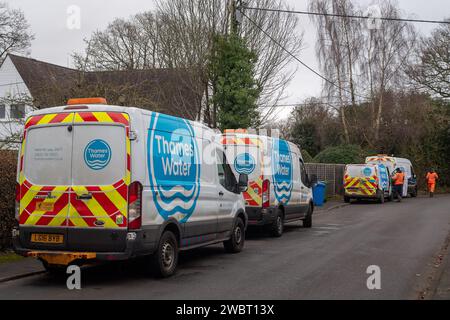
(258, 216)
(106, 245)
(361, 196)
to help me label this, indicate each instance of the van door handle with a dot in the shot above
(221, 193)
(84, 196)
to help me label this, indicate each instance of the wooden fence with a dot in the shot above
(331, 174)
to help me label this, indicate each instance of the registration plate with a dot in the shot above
(44, 206)
(47, 238)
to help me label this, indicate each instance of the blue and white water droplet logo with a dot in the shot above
(97, 154)
(174, 167)
(244, 163)
(282, 170)
(367, 171)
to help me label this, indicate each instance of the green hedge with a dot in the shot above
(8, 165)
(343, 154)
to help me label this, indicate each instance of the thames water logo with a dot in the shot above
(244, 163)
(174, 167)
(367, 171)
(97, 154)
(383, 176)
(282, 175)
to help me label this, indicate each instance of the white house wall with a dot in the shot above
(11, 85)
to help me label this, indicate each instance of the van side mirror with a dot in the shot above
(243, 182)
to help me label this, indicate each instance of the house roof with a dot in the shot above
(170, 91)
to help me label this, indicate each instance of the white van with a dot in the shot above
(279, 187)
(393, 163)
(98, 182)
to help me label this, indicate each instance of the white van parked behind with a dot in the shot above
(393, 163)
(279, 187)
(99, 182)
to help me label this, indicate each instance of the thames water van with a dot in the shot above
(279, 188)
(367, 181)
(393, 163)
(98, 182)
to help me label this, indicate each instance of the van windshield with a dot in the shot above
(360, 171)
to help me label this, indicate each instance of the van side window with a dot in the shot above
(303, 174)
(226, 175)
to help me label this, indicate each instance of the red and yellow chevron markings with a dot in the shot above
(361, 186)
(253, 195)
(55, 206)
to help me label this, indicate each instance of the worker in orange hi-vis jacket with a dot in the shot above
(398, 179)
(431, 181)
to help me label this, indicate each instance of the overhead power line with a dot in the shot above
(11, 84)
(297, 59)
(347, 16)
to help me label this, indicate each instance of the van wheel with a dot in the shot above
(346, 199)
(236, 243)
(307, 222)
(381, 197)
(165, 259)
(277, 226)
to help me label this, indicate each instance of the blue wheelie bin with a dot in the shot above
(319, 193)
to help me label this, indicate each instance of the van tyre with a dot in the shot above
(236, 243)
(381, 197)
(307, 222)
(277, 226)
(346, 199)
(165, 260)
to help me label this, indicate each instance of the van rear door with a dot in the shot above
(74, 177)
(245, 157)
(45, 180)
(100, 179)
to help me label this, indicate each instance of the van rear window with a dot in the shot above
(360, 171)
(99, 155)
(47, 158)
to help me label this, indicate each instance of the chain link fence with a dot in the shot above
(331, 174)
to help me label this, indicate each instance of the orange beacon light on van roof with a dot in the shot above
(80, 101)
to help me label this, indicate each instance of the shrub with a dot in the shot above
(342, 154)
(306, 156)
(8, 165)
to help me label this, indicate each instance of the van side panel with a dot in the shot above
(178, 178)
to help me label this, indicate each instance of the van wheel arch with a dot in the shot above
(281, 208)
(243, 216)
(173, 226)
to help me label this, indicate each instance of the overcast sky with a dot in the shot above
(54, 42)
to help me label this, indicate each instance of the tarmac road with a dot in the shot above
(328, 261)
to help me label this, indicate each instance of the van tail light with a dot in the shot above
(266, 194)
(135, 206)
(17, 203)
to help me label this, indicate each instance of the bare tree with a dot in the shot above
(388, 49)
(180, 34)
(338, 50)
(15, 35)
(431, 68)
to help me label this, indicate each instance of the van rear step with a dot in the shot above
(61, 258)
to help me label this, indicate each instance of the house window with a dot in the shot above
(2, 111)
(17, 111)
